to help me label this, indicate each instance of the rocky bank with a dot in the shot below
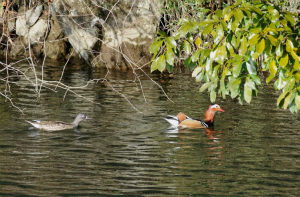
(115, 34)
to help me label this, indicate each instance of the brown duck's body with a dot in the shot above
(183, 121)
(57, 125)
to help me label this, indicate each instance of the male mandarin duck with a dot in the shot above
(182, 120)
(58, 125)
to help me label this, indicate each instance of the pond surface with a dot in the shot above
(254, 150)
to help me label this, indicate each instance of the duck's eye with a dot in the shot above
(215, 106)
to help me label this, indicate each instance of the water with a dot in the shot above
(254, 150)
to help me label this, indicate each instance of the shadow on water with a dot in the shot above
(252, 151)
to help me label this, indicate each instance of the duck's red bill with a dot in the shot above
(221, 110)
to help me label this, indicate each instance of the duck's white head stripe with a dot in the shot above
(215, 106)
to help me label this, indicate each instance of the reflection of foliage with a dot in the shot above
(232, 46)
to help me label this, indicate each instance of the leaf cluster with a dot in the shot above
(230, 48)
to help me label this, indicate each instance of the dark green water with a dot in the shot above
(254, 150)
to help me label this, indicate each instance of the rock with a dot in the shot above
(24, 22)
(37, 32)
(83, 38)
(56, 47)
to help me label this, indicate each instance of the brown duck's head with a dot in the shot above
(210, 113)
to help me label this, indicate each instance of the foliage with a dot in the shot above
(230, 47)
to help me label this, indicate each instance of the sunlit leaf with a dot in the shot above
(198, 42)
(260, 46)
(287, 101)
(170, 55)
(279, 50)
(271, 76)
(155, 46)
(250, 83)
(237, 67)
(290, 19)
(221, 54)
(208, 29)
(284, 60)
(289, 46)
(187, 47)
(213, 95)
(247, 93)
(154, 65)
(205, 86)
(243, 47)
(282, 96)
(296, 65)
(257, 10)
(253, 39)
(251, 68)
(255, 79)
(161, 63)
(273, 40)
(273, 67)
(234, 87)
(171, 42)
(297, 101)
(295, 56)
(196, 71)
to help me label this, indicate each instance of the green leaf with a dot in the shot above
(154, 65)
(238, 15)
(297, 101)
(196, 71)
(273, 40)
(221, 54)
(205, 86)
(273, 67)
(250, 83)
(171, 42)
(255, 79)
(187, 47)
(279, 50)
(162, 34)
(247, 93)
(169, 67)
(243, 47)
(289, 45)
(155, 46)
(237, 67)
(189, 63)
(170, 55)
(251, 67)
(253, 39)
(284, 60)
(260, 47)
(234, 87)
(161, 63)
(290, 19)
(282, 96)
(195, 56)
(296, 65)
(257, 10)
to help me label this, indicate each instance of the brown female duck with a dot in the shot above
(58, 125)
